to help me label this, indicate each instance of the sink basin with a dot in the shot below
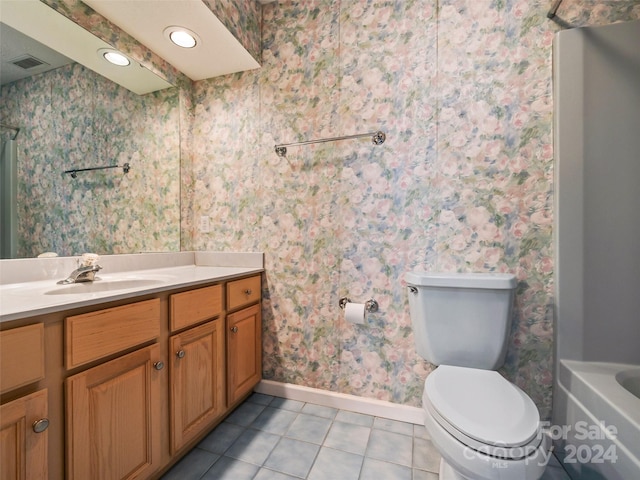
(98, 286)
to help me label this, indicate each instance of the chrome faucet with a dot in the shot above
(81, 274)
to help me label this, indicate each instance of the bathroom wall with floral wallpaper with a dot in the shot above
(464, 181)
(73, 118)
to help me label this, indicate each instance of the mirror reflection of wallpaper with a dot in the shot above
(74, 118)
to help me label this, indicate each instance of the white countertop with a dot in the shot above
(39, 296)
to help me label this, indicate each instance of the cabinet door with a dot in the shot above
(197, 381)
(23, 451)
(113, 418)
(244, 352)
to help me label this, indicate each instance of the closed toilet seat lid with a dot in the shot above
(483, 406)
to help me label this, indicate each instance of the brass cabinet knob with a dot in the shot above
(158, 365)
(180, 354)
(41, 425)
(248, 292)
(234, 329)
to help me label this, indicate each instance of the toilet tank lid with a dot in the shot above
(462, 280)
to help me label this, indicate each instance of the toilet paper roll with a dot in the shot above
(354, 313)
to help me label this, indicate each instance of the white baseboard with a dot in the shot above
(343, 401)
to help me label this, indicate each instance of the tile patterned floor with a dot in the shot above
(272, 438)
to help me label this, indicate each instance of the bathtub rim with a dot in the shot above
(583, 388)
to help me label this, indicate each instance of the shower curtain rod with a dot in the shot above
(377, 138)
(10, 127)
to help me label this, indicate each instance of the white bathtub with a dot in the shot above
(596, 420)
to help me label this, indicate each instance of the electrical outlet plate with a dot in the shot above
(204, 224)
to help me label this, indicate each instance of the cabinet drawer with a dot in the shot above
(195, 306)
(243, 292)
(21, 356)
(95, 335)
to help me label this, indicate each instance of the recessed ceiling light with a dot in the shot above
(114, 57)
(182, 37)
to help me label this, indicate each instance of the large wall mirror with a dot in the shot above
(72, 118)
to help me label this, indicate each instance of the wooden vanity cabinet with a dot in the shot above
(24, 420)
(244, 337)
(197, 381)
(21, 356)
(196, 359)
(24, 438)
(97, 375)
(113, 414)
(113, 418)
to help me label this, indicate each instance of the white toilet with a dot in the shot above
(483, 426)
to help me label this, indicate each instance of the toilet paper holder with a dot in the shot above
(370, 305)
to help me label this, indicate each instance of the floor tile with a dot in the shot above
(266, 474)
(192, 466)
(293, 457)
(245, 414)
(390, 447)
(253, 446)
(274, 420)
(425, 455)
(373, 469)
(355, 418)
(231, 469)
(393, 426)
(422, 475)
(287, 404)
(333, 465)
(419, 431)
(309, 428)
(348, 437)
(269, 438)
(221, 438)
(319, 411)
(260, 399)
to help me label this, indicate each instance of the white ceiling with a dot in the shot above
(43, 24)
(15, 45)
(219, 53)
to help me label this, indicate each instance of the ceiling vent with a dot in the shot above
(27, 61)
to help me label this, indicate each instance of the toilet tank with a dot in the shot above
(461, 319)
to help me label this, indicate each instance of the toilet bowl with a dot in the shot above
(484, 427)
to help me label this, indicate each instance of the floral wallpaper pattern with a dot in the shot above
(464, 182)
(73, 118)
(242, 19)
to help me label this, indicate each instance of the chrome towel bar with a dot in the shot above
(377, 138)
(74, 171)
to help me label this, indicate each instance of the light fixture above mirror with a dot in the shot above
(114, 57)
(43, 24)
(182, 37)
(151, 23)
